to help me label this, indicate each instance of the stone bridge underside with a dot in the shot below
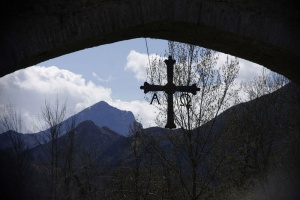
(265, 32)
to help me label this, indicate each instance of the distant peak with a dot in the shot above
(99, 104)
(86, 122)
(102, 103)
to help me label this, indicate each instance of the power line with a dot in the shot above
(147, 50)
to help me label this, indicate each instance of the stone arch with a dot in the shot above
(264, 32)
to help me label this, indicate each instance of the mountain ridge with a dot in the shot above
(101, 114)
(86, 137)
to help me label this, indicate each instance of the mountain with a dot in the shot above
(121, 153)
(283, 102)
(102, 114)
(116, 154)
(86, 140)
(5, 138)
(24, 141)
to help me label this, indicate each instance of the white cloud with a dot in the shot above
(109, 78)
(28, 89)
(247, 69)
(137, 63)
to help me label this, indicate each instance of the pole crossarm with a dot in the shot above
(190, 89)
(152, 88)
(170, 88)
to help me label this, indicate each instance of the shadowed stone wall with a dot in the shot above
(265, 32)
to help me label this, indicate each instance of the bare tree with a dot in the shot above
(67, 163)
(11, 122)
(10, 118)
(59, 153)
(142, 170)
(257, 129)
(192, 154)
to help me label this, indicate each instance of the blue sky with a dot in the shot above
(112, 72)
(106, 64)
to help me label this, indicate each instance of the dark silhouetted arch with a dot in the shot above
(265, 32)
